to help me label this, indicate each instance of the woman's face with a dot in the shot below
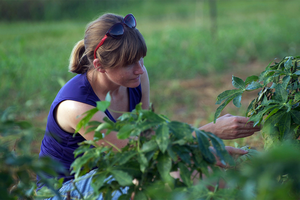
(128, 76)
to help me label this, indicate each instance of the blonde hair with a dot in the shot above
(114, 52)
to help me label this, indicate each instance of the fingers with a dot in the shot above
(235, 151)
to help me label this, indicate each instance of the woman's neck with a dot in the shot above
(102, 85)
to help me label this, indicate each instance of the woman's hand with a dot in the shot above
(231, 127)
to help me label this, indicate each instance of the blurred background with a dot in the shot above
(194, 48)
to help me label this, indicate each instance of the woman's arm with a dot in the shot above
(68, 115)
(145, 90)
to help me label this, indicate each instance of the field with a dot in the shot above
(189, 64)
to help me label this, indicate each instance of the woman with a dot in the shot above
(109, 59)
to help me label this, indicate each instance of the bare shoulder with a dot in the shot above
(70, 112)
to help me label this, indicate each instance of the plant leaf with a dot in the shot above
(125, 156)
(251, 79)
(185, 174)
(149, 146)
(125, 131)
(295, 116)
(284, 125)
(237, 100)
(84, 121)
(143, 162)
(219, 146)
(164, 165)
(254, 86)
(297, 72)
(203, 144)
(102, 105)
(285, 81)
(140, 195)
(162, 137)
(221, 107)
(238, 83)
(183, 153)
(180, 129)
(226, 94)
(123, 178)
(98, 181)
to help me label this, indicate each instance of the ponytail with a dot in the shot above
(79, 62)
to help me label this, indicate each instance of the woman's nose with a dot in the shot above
(139, 68)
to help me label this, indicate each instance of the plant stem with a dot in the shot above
(112, 145)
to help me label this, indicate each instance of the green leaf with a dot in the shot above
(250, 107)
(237, 100)
(226, 94)
(125, 156)
(285, 81)
(251, 79)
(102, 105)
(288, 64)
(153, 117)
(103, 126)
(125, 131)
(219, 146)
(164, 165)
(221, 107)
(203, 144)
(149, 146)
(123, 178)
(276, 117)
(180, 129)
(297, 73)
(281, 94)
(162, 137)
(297, 97)
(140, 195)
(98, 180)
(254, 86)
(185, 174)
(98, 136)
(238, 83)
(108, 97)
(295, 116)
(183, 153)
(84, 121)
(284, 125)
(257, 118)
(143, 162)
(79, 162)
(172, 153)
(275, 110)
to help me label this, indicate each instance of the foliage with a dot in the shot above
(157, 146)
(277, 103)
(270, 175)
(17, 166)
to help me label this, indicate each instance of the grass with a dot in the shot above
(34, 55)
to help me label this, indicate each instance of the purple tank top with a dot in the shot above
(59, 144)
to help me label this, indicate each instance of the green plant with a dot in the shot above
(277, 103)
(18, 167)
(157, 146)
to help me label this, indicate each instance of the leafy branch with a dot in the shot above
(157, 146)
(277, 103)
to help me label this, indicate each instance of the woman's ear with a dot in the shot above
(97, 65)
